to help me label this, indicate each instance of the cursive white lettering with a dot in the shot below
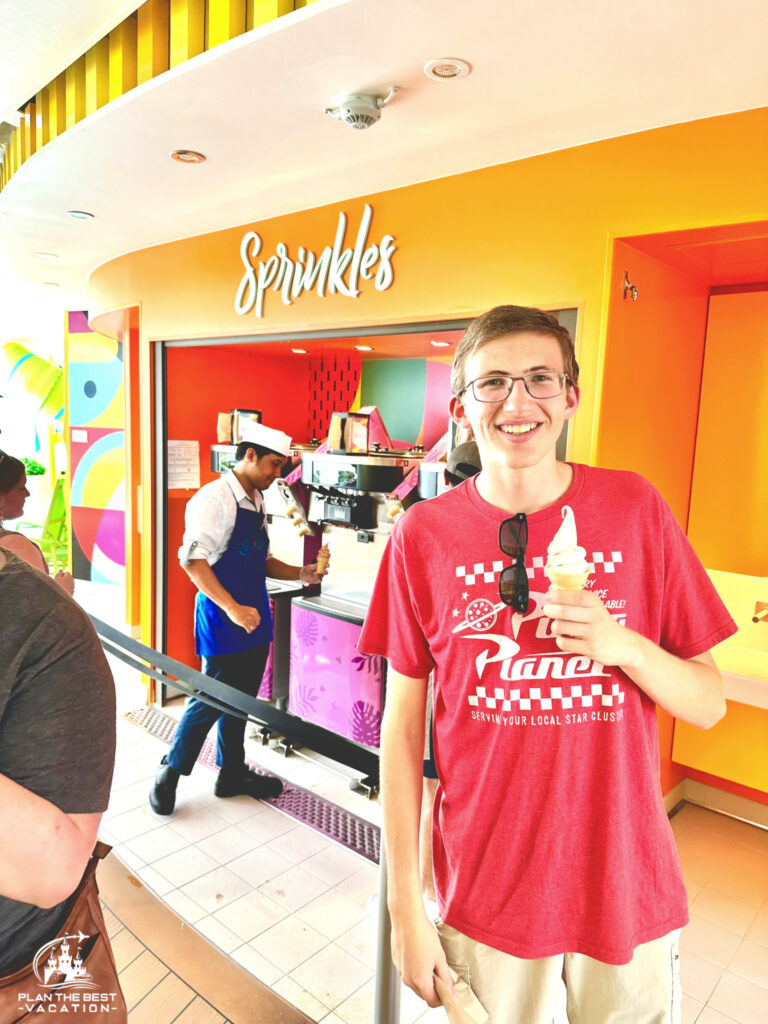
(362, 238)
(548, 666)
(286, 272)
(308, 271)
(385, 275)
(370, 259)
(250, 247)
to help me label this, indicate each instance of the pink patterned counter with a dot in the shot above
(332, 684)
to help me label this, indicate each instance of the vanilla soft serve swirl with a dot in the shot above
(564, 554)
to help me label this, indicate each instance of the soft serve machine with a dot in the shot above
(342, 490)
(349, 483)
(345, 491)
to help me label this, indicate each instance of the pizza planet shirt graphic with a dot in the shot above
(522, 677)
(64, 984)
(481, 614)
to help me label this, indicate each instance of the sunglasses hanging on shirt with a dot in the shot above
(513, 582)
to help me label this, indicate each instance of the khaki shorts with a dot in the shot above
(515, 991)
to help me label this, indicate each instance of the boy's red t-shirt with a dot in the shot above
(550, 833)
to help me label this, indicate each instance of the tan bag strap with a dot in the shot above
(100, 851)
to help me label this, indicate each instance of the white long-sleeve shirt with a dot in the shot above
(210, 516)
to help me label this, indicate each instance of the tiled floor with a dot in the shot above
(153, 993)
(724, 949)
(295, 909)
(291, 906)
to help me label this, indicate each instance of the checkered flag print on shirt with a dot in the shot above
(574, 696)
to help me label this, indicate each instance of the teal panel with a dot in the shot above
(397, 387)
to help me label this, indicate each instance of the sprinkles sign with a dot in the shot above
(339, 269)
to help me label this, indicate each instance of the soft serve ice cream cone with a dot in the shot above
(323, 558)
(567, 566)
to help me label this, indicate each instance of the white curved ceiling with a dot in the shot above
(545, 77)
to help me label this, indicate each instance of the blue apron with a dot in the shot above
(241, 570)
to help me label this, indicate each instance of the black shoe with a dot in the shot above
(248, 783)
(162, 796)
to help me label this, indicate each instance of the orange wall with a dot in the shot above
(729, 498)
(653, 360)
(647, 420)
(202, 382)
(131, 348)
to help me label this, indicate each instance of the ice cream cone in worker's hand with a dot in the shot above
(567, 566)
(323, 558)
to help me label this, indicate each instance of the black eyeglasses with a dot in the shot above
(513, 582)
(497, 387)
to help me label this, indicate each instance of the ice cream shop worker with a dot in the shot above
(558, 605)
(226, 554)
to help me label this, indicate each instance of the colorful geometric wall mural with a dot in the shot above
(412, 396)
(32, 376)
(96, 452)
(437, 396)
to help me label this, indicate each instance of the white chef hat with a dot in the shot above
(267, 437)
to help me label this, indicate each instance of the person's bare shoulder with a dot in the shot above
(24, 548)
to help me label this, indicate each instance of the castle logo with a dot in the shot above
(62, 969)
(63, 982)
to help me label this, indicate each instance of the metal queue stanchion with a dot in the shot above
(226, 698)
(386, 1009)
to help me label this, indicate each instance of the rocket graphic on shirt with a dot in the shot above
(521, 675)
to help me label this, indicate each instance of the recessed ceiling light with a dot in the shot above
(446, 69)
(46, 255)
(363, 348)
(187, 156)
(299, 351)
(441, 344)
(79, 214)
(51, 284)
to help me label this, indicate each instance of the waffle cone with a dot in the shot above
(323, 558)
(567, 581)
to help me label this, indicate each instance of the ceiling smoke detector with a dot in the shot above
(361, 110)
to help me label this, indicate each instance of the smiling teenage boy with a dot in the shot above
(553, 855)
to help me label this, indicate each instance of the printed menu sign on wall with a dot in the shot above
(183, 465)
(339, 269)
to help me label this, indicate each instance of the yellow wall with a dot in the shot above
(729, 497)
(734, 749)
